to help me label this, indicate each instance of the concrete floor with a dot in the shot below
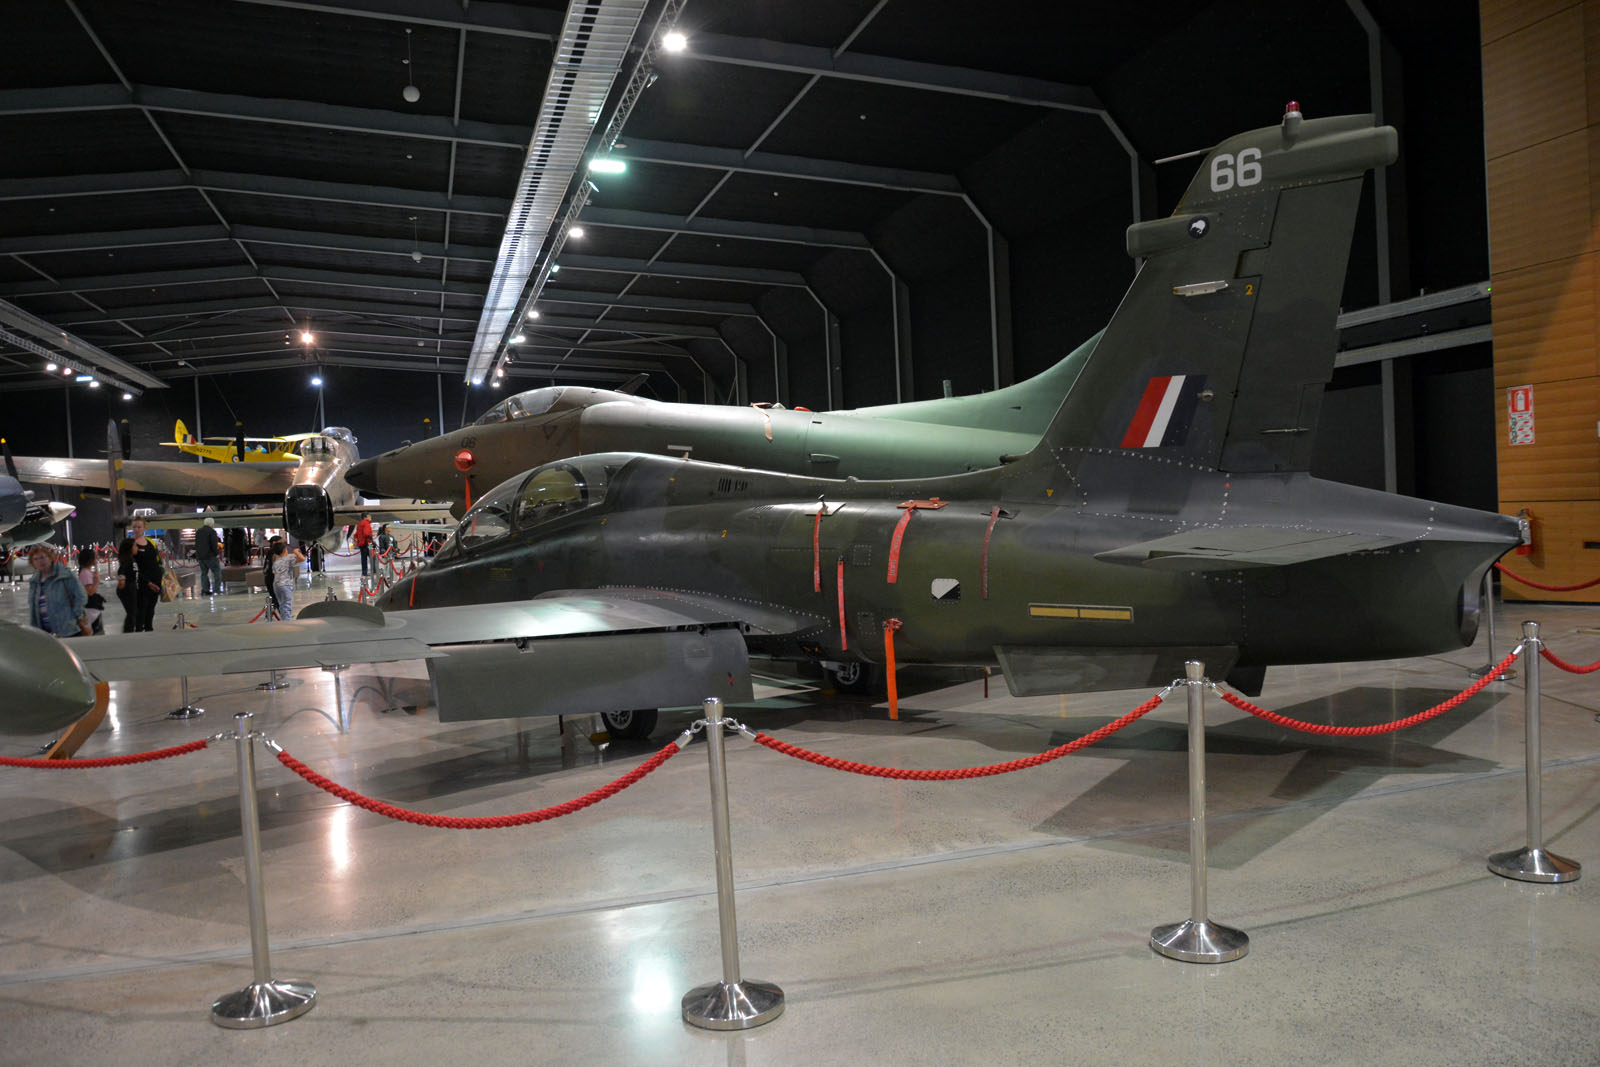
(1002, 920)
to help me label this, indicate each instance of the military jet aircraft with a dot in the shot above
(912, 440)
(24, 520)
(314, 499)
(1166, 514)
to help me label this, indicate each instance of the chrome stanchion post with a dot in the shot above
(1533, 863)
(733, 1003)
(263, 1002)
(273, 683)
(1198, 939)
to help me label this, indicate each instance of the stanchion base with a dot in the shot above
(1505, 675)
(1200, 942)
(272, 687)
(188, 711)
(1535, 865)
(740, 1006)
(262, 1004)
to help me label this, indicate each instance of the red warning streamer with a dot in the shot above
(816, 549)
(983, 563)
(889, 627)
(844, 641)
(910, 506)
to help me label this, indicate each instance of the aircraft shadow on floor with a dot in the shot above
(1264, 782)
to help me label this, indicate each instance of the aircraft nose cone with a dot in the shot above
(364, 476)
(307, 512)
(45, 686)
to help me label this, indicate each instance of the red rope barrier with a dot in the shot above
(1569, 667)
(104, 761)
(1501, 567)
(258, 615)
(1381, 728)
(959, 773)
(486, 822)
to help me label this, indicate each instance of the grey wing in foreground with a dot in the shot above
(564, 653)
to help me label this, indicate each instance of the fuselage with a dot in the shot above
(970, 584)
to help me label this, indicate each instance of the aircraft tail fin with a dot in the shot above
(181, 434)
(1219, 352)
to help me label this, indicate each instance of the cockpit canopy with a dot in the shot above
(528, 500)
(521, 406)
(324, 446)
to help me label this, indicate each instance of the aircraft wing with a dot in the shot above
(1220, 548)
(391, 511)
(561, 653)
(168, 480)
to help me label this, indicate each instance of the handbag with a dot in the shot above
(169, 587)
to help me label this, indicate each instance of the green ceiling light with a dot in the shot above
(607, 165)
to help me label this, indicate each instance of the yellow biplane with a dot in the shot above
(238, 449)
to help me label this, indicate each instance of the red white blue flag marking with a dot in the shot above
(1165, 411)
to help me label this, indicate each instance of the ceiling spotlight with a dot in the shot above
(316, 381)
(674, 41)
(416, 246)
(517, 339)
(94, 383)
(307, 337)
(49, 366)
(576, 231)
(410, 93)
(499, 372)
(127, 396)
(477, 381)
(555, 268)
(607, 165)
(66, 371)
(495, 383)
(533, 313)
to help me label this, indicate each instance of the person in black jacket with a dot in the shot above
(207, 546)
(138, 578)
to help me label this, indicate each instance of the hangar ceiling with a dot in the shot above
(190, 185)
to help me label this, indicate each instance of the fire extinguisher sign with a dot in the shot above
(1519, 414)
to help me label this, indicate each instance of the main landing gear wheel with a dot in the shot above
(853, 677)
(634, 725)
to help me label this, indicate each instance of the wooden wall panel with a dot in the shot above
(1544, 322)
(1545, 94)
(1539, 203)
(1559, 557)
(1563, 463)
(1497, 18)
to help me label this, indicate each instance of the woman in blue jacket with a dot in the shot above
(55, 596)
